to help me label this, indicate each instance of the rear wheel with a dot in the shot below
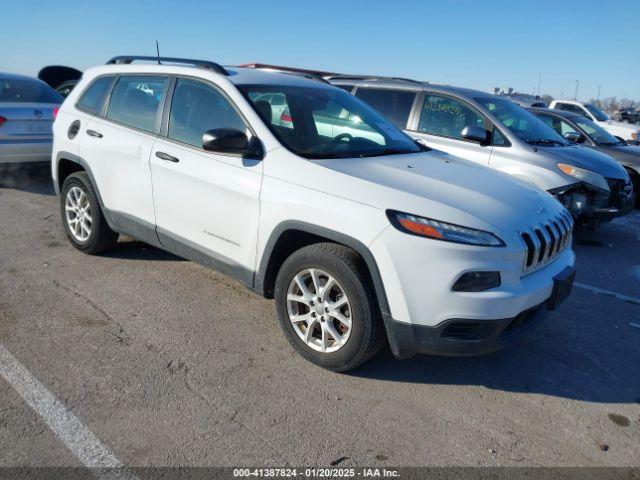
(82, 217)
(326, 307)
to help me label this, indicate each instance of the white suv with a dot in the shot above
(359, 233)
(622, 130)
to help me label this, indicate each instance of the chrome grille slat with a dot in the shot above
(545, 241)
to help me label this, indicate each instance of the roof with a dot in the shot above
(236, 75)
(266, 66)
(560, 113)
(407, 84)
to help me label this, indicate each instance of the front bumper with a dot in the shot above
(592, 205)
(460, 337)
(467, 337)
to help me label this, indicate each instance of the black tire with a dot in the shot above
(346, 266)
(101, 237)
(635, 181)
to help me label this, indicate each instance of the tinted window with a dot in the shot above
(24, 90)
(134, 101)
(571, 108)
(597, 113)
(447, 117)
(92, 98)
(393, 104)
(321, 122)
(596, 132)
(196, 108)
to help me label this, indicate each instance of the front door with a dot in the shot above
(442, 119)
(207, 204)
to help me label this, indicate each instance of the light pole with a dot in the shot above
(599, 88)
(575, 95)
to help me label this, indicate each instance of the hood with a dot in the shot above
(622, 153)
(462, 189)
(588, 159)
(55, 75)
(620, 126)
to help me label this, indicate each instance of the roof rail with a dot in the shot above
(372, 77)
(127, 59)
(299, 72)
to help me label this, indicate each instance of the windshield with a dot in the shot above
(25, 90)
(597, 113)
(325, 122)
(596, 132)
(524, 125)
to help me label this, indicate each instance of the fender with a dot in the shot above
(361, 248)
(117, 221)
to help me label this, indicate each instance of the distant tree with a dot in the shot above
(547, 98)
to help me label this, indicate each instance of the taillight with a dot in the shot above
(55, 112)
(2, 120)
(286, 118)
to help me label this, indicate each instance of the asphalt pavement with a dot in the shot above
(158, 361)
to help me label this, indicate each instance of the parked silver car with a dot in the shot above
(27, 109)
(494, 131)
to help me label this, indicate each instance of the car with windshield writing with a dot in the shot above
(360, 234)
(493, 131)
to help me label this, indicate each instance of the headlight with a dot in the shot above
(426, 227)
(586, 176)
(634, 136)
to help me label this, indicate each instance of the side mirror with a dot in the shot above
(475, 134)
(573, 137)
(229, 140)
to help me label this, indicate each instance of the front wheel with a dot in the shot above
(326, 307)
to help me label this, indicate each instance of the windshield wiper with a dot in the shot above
(545, 141)
(387, 151)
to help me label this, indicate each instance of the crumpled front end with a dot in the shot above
(591, 205)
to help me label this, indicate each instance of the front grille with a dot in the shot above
(543, 242)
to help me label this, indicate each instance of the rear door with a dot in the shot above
(441, 121)
(206, 203)
(118, 147)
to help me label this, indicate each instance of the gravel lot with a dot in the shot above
(168, 363)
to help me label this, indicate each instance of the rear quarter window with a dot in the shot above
(92, 98)
(395, 105)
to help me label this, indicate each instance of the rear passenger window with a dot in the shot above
(196, 108)
(395, 105)
(93, 97)
(135, 99)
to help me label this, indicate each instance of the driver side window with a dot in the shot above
(197, 107)
(446, 116)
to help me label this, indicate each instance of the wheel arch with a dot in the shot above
(68, 163)
(291, 235)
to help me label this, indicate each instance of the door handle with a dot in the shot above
(167, 157)
(93, 133)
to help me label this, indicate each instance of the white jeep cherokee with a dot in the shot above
(359, 233)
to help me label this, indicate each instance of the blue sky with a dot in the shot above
(477, 44)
